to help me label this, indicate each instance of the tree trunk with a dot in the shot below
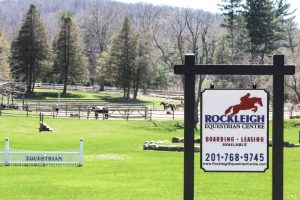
(29, 79)
(197, 102)
(67, 57)
(135, 93)
(65, 78)
(33, 86)
(136, 84)
(101, 87)
(33, 81)
(124, 81)
(65, 87)
(254, 57)
(135, 89)
(128, 93)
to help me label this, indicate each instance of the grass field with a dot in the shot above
(117, 167)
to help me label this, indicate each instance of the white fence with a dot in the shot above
(43, 158)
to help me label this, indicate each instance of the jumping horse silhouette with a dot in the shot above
(246, 104)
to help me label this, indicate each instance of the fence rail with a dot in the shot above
(18, 157)
(108, 111)
(96, 88)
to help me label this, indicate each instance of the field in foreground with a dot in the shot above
(116, 167)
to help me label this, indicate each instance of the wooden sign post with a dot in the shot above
(277, 70)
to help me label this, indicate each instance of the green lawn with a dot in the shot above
(117, 167)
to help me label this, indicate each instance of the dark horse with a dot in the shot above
(99, 110)
(168, 105)
(246, 104)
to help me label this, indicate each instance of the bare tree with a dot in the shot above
(293, 41)
(144, 16)
(4, 58)
(203, 40)
(99, 21)
(169, 36)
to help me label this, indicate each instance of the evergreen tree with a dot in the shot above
(69, 60)
(231, 10)
(264, 22)
(123, 54)
(142, 72)
(29, 49)
(4, 59)
(284, 18)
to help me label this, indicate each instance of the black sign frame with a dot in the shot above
(277, 70)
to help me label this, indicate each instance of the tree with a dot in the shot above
(233, 22)
(143, 17)
(202, 40)
(292, 45)
(122, 57)
(142, 68)
(30, 49)
(98, 24)
(4, 59)
(69, 60)
(171, 40)
(265, 23)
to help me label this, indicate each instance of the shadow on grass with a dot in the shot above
(45, 95)
(112, 99)
(81, 96)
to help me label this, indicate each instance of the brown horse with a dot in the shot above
(246, 104)
(168, 105)
(181, 105)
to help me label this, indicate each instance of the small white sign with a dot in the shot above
(234, 130)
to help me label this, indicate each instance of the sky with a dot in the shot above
(207, 5)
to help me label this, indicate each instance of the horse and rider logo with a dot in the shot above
(245, 104)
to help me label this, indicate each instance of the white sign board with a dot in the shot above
(234, 130)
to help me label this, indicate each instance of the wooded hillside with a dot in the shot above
(155, 39)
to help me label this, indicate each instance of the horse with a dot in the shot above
(100, 110)
(246, 104)
(168, 105)
(181, 105)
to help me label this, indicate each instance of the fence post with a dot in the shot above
(81, 152)
(66, 110)
(27, 110)
(146, 112)
(39, 105)
(88, 112)
(78, 112)
(173, 114)
(150, 114)
(6, 161)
